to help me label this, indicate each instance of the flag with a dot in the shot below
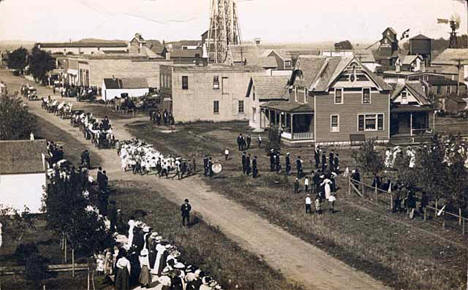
(442, 21)
(405, 34)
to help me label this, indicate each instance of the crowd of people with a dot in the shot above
(140, 256)
(141, 158)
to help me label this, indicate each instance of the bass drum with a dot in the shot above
(217, 168)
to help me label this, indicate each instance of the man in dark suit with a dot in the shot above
(254, 167)
(185, 209)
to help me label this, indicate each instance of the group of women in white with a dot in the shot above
(143, 158)
(143, 257)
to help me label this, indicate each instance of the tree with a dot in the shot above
(40, 63)
(431, 168)
(36, 268)
(18, 59)
(274, 139)
(67, 212)
(15, 120)
(368, 159)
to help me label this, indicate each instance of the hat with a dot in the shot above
(189, 269)
(144, 252)
(154, 235)
(168, 246)
(206, 280)
(179, 265)
(146, 229)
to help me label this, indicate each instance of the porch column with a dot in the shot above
(411, 124)
(292, 126)
(280, 119)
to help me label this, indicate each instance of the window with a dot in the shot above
(371, 122)
(216, 107)
(404, 97)
(287, 64)
(338, 96)
(216, 82)
(366, 96)
(185, 82)
(225, 85)
(240, 107)
(334, 123)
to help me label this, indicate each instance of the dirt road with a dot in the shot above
(297, 260)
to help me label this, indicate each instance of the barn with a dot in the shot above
(22, 173)
(133, 87)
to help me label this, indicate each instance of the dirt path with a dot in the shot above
(297, 260)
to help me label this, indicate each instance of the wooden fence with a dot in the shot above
(385, 198)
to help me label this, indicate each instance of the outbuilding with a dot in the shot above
(22, 174)
(133, 87)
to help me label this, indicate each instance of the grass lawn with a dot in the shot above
(70, 145)
(60, 282)
(452, 125)
(201, 244)
(387, 246)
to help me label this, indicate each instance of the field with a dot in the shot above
(400, 252)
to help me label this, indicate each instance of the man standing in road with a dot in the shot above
(185, 209)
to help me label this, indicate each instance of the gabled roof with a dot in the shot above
(269, 87)
(416, 89)
(125, 83)
(22, 156)
(409, 59)
(420, 37)
(318, 73)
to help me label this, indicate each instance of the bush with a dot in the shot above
(24, 251)
(36, 268)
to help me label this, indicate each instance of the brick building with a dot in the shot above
(206, 93)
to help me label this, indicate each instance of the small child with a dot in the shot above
(226, 154)
(318, 204)
(296, 185)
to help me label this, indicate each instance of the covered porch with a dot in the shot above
(408, 120)
(295, 120)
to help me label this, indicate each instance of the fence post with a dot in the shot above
(349, 185)
(443, 220)
(391, 200)
(425, 213)
(376, 194)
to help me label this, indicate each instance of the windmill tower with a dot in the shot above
(223, 31)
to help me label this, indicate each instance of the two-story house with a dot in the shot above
(332, 99)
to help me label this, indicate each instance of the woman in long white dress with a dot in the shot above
(326, 183)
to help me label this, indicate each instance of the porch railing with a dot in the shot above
(303, 136)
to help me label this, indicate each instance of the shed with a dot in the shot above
(133, 87)
(22, 173)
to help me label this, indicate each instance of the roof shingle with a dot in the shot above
(22, 156)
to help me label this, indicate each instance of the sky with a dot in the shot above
(271, 20)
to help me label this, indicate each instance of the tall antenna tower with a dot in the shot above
(224, 30)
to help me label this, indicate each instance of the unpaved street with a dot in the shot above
(297, 260)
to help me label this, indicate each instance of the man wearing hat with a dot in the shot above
(254, 167)
(288, 164)
(185, 209)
